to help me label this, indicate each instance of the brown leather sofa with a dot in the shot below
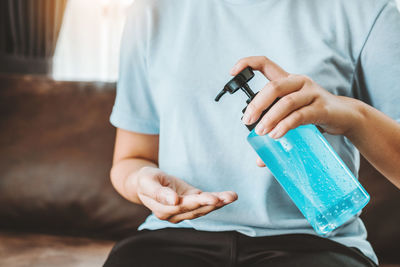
(57, 205)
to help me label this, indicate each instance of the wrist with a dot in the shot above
(358, 119)
(132, 183)
(131, 187)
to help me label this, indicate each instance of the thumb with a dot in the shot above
(156, 187)
(166, 196)
(260, 163)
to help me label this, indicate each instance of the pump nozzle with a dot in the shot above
(239, 82)
(218, 97)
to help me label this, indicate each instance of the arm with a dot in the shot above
(136, 176)
(304, 102)
(377, 137)
(135, 173)
(132, 152)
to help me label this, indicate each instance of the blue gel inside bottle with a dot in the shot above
(313, 175)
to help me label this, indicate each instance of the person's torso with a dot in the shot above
(192, 47)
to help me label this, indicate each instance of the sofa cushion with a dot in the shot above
(56, 151)
(381, 216)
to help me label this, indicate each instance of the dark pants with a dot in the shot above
(191, 248)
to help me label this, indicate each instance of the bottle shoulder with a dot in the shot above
(301, 128)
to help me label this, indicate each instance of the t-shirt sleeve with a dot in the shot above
(378, 68)
(134, 108)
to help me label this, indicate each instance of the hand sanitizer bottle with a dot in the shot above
(307, 167)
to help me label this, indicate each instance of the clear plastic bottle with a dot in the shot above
(313, 175)
(308, 168)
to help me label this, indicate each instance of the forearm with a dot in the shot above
(377, 137)
(124, 177)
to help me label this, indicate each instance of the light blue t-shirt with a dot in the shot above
(176, 56)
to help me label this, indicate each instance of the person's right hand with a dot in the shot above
(172, 199)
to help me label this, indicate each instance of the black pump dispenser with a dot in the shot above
(240, 82)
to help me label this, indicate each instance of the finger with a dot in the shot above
(162, 212)
(187, 203)
(270, 69)
(226, 197)
(190, 202)
(153, 188)
(192, 214)
(193, 191)
(281, 109)
(180, 186)
(268, 94)
(260, 163)
(305, 115)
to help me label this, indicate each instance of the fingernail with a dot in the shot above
(259, 129)
(234, 69)
(246, 118)
(226, 201)
(273, 133)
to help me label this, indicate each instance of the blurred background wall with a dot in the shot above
(89, 42)
(88, 39)
(29, 31)
(70, 39)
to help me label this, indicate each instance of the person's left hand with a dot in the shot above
(302, 101)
